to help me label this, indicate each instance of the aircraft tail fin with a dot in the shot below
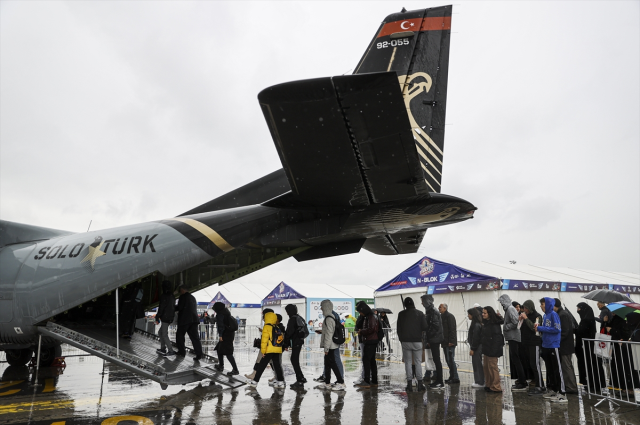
(415, 44)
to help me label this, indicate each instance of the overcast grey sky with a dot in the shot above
(124, 112)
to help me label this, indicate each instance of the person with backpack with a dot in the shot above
(284, 346)
(270, 348)
(492, 346)
(330, 342)
(336, 354)
(370, 336)
(227, 327)
(257, 343)
(295, 335)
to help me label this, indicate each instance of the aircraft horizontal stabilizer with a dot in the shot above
(344, 141)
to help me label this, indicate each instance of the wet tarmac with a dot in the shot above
(91, 391)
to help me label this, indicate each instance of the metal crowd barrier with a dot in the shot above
(613, 370)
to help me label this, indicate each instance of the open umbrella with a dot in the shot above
(384, 310)
(606, 296)
(623, 308)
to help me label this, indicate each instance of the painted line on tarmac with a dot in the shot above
(61, 404)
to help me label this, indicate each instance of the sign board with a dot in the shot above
(341, 306)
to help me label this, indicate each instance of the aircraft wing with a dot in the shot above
(344, 141)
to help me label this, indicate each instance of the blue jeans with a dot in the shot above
(449, 357)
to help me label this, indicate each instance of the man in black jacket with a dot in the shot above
(433, 337)
(188, 322)
(226, 335)
(449, 342)
(164, 317)
(567, 348)
(411, 324)
(294, 337)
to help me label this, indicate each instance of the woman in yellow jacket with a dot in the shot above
(271, 348)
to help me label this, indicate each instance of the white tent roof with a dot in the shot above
(547, 273)
(236, 292)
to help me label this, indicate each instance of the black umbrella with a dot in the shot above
(383, 310)
(606, 296)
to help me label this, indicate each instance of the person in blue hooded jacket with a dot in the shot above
(550, 330)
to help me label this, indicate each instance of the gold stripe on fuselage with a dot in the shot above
(211, 234)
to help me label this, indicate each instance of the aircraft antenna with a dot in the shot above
(89, 225)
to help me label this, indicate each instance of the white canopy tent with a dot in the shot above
(460, 302)
(245, 299)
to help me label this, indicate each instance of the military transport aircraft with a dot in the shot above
(362, 162)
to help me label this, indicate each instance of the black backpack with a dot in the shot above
(277, 338)
(338, 333)
(233, 323)
(302, 330)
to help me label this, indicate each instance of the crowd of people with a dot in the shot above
(552, 336)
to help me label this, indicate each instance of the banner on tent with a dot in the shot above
(237, 305)
(281, 292)
(486, 285)
(530, 285)
(219, 298)
(429, 272)
(627, 289)
(271, 302)
(581, 287)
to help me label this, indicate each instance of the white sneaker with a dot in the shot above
(559, 398)
(278, 384)
(323, 386)
(252, 383)
(549, 394)
(339, 387)
(272, 383)
(359, 381)
(474, 385)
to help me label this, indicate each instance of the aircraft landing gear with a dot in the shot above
(48, 354)
(19, 357)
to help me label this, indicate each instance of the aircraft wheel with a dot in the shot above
(48, 354)
(19, 357)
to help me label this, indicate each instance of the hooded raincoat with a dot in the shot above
(551, 328)
(328, 326)
(510, 328)
(266, 345)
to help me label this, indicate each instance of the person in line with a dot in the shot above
(369, 337)
(619, 331)
(330, 347)
(551, 330)
(282, 329)
(384, 321)
(271, 344)
(517, 306)
(336, 353)
(164, 317)
(411, 324)
(357, 329)
(492, 344)
(225, 338)
(512, 336)
(449, 342)
(475, 347)
(259, 358)
(433, 337)
(532, 342)
(524, 351)
(188, 322)
(590, 370)
(207, 321)
(295, 335)
(567, 347)
(349, 326)
(604, 317)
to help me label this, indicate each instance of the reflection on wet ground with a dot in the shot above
(91, 391)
